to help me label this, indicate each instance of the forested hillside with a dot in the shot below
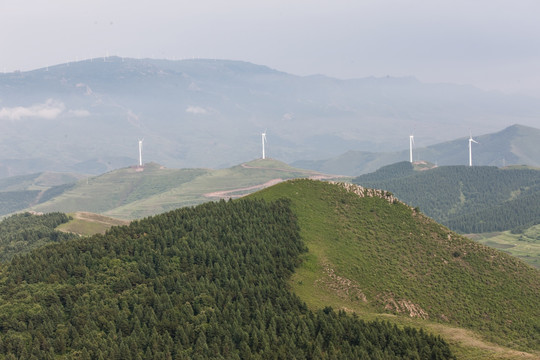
(466, 199)
(194, 283)
(22, 233)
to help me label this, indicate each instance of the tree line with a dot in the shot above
(21, 233)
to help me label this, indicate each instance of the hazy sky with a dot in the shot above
(493, 44)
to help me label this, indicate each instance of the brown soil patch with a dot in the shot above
(88, 216)
(343, 287)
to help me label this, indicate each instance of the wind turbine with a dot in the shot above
(264, 141)
(411, 143)
(471, 140)
(140, 152)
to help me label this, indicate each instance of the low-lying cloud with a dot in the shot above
(79, 113)
(50, 109)
(196, 110)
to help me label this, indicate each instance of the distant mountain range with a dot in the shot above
(87, 116)
(517, 144)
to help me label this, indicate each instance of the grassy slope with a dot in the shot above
(525, 246)
(227, 181)
(37, 181)
(87, 224)
(129, 194)
(118, 188)
(372, 257)
(20, 192)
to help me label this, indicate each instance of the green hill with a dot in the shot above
(372, 254)
(466, 199)
(130, 193)
(208, 282)
(21, 192)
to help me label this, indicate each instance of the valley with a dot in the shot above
(524, 244)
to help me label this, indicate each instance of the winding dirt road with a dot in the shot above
(230, 193)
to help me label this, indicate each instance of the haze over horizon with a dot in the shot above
(493, 45)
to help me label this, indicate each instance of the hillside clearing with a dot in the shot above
(87, 224)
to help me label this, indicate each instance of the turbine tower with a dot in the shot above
(471, 140)
(263, 138)
(411, 143)
(140, 152)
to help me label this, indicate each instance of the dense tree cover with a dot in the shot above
(467, 199)
(385, 173)
(12, 201)
(516, 214)
(195, 283)
(21, 233)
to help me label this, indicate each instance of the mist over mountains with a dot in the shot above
(515, 145)
(87, 116)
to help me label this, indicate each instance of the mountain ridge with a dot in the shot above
(516, 144)
(371, 255)
(87, 115)
(135, 192)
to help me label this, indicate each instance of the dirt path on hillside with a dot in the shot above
(465, 338)
(225, 194)
(37, 199)
(470, 339)
(315, 175)
(230, 193)
(92, 217)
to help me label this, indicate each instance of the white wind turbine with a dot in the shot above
(264, 141)
(411, 143)
(140, 152)
(471, 140)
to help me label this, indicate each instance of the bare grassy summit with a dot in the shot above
(372, 254)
